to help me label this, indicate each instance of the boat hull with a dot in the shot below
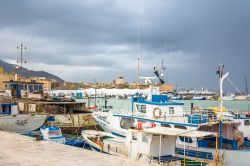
(109, 123)
(21, 123)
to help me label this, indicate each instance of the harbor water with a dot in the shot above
(125, 104)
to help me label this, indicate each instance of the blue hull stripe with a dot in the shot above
(119, 135)
(158, 104)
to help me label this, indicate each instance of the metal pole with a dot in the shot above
(21, 55)
(160, 151)
(217, 152)
(184, 150)
(95, 93)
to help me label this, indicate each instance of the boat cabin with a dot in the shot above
(8, 109)
(158, 107)
(157, 144)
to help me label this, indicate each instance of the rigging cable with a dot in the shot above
(231, 82)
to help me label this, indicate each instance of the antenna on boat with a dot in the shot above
(138, 57)
(247, 96)
(246, 85)
(159, 72)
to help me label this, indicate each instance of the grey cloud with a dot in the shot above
(193, 35)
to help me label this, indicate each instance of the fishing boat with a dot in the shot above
(230, 97)
(159, 111)
(234, 139)
(154, 145)
(52, 133)
(11, 120)
(155, 111)
(95, 139)
(199, 98)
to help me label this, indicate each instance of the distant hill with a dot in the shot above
(28, 73)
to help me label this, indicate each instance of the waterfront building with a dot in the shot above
(48, 84)
(20, 89)
(4, 76)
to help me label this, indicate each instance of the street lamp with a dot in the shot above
(21, 47)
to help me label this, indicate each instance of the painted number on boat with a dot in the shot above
(21, 122)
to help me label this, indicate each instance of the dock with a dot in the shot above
(20, 150)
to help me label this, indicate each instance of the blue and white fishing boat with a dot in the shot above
(234, 142)
(159, 111)
(52, 133)
(152, 145)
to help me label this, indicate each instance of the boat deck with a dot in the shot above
(22, 150)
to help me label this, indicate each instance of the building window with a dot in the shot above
(171, 110)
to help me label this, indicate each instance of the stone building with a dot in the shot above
(4, 76)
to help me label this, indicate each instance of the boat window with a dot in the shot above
(141, 108)
(144, 138)
(180, 127)
(187, 139)
(127, 123)
(134, 136)
(6, 109)
(165, 125)
(138, 107)
(171, 110)
(247, 122)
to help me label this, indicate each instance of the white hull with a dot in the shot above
(109, 123)
(232, 158)
(21, 123)
(112, 145)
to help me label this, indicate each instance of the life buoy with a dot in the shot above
(159, 114)
(152, 124)
(238, 137)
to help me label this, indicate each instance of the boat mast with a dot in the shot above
(222, 77)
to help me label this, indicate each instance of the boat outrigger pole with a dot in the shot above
(222, 77)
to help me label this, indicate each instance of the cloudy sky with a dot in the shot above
(97, 39)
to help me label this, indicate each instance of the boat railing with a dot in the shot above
(192, 154)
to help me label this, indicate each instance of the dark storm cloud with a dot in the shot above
(195, 36)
